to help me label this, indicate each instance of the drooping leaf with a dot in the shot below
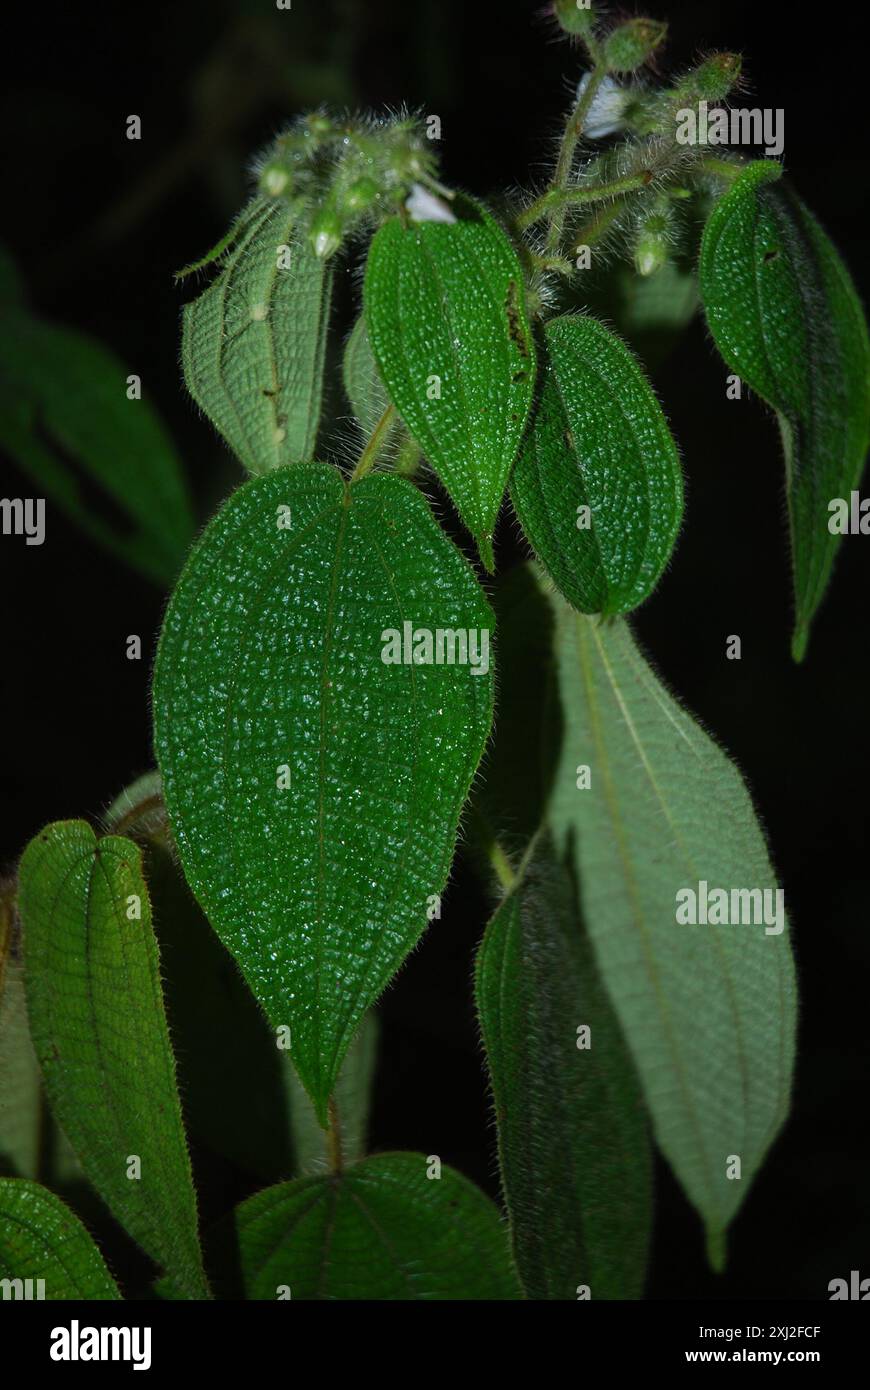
(362, 380)
(382, 1229)
(445, 312)
(253, 343)
(785, 316)
(40, 1238)
(104, 459)
(708, 1011)
(573, 1144)
(99, 1030)
(352, 1102)
(598, 487)
(314, 788)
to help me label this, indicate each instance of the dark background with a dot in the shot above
(99, 223)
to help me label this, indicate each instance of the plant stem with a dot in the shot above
(722, 168)
(573, 131)
(333, 1138)
(488, 844)
(559, 198)
(368, 457)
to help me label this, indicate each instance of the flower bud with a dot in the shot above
(629, 46)
(574, 16)
(325, 233)
(359, 196)
(651, 247)
(275, 179)
(712, 80)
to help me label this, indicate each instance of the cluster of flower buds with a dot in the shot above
(341, 173)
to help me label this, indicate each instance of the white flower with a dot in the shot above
(604, 116)
(425, 207)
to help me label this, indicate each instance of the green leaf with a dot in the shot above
(222, 1041)
(573, 1144)
(382, 1229)
(20, 1083)
(107, 461)
(445, 311)
(785, 316)
(597, 487)
(314, 790)
(708, 1011)
(253, 343)
(99, 1030)
(40, 1238)
(352, 1102)
(362, 380)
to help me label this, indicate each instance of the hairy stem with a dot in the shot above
(377, 439)
(333, 1138)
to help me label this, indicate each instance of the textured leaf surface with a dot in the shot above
(314, 790)
(105, 460)
(573, 1145)
(99, 1030)
(40, 1238)
(708, 1010)
(445, 311)
(362, 380)
(253, 343)
(352, 1101)
(785, 316)
(598, 487)
(380, 1230)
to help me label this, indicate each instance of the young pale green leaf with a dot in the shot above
(314, 774)
(785, 316)
(352, 1101)
(253, 343)
(362, 380)
(707, 1010)
(40, 1238)
(445, 311)
(99, 1030)
(598, 487)
(572, 1134)
(105, 459)
(381, 1229)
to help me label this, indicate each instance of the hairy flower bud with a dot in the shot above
(275, 179)
(629, 46)
(574, 16)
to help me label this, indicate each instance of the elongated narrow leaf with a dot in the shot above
(598, 487)
(313, 772)
(20, 1083)
(572, 1135)
(352, 1101)
(445, 312)
(253, 343)
(42, 1240)
(708, 1010)
(362, 380)
(382, 1229)
(99, 1030)
(104, 459)
(785, 316)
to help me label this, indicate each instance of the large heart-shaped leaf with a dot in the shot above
(445, 311)
(99, 1029)
(785, 316)
(398, 1226)
(572, 1134)
(598, 487)
(253, 343)
(41, 1239)
(317, 739)
(657, 821)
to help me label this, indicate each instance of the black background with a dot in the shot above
(99, 223)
